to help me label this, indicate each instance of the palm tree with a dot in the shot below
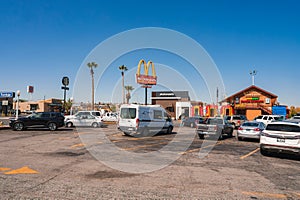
(92, 65)
(123, 68)
(128, 88)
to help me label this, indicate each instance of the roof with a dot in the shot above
(252, 87)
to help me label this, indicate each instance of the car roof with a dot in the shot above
(286, 123)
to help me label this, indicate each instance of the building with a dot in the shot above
(6, 102)
(252, 101)
(48, 105)
(177, 103)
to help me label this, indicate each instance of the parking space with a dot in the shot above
(57, 165)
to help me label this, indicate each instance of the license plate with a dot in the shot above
(280, 140)
(248, 129)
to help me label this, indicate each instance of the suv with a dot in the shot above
(280, 137)
(236, 120)
(266, 119)
(51, 120)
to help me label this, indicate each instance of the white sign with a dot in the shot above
(4, 103)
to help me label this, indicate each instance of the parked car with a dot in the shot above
(142, 120)
(83, 113)
(193, 121)
(236, 120)
(250, 129)
(110, 117)
(84, 120)
(295, 119)
(266, 119)
(51, 120)
(215, 126)
(283, 137)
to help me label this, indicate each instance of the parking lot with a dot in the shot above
(40, 164)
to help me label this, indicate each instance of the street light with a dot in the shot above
(92, 65)
(17, 107)
(253, 73)
(123, 68)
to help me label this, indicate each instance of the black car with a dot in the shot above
(51, 120)
(192, 121)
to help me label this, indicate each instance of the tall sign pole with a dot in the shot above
(253, 73)
(65, 82)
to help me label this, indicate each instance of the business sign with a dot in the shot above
(145, 78)
(7, 94)
(29, 89)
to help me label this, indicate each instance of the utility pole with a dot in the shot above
(253, 73)
(92, 65)
(123, 68)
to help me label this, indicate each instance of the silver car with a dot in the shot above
(250, 129)
(84, 120)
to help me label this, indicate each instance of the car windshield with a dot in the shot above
(283, 127)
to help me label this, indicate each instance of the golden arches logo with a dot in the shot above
(145, 78)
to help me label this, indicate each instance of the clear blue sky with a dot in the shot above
(41, 41)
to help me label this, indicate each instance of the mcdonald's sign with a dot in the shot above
(145, 78)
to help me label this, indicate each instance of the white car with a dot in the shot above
(280, 137)
(266, 119)
(250, 129)
(84, 120)
(110, 117)
(83, 112)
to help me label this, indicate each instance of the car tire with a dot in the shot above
(264, 152)
(95, 125)
(18, 126)
(221, 136)
(230, 134)
(52, 126)
(169, 130)
(240, 138)
(201, 137)
(69, 124)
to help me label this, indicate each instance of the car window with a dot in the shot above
(45, 115)
(157, 114)
(96, 114)
(228, 118)
(215, 121)
(283, 127)
(236, 118)
(250, 124)
(265, 118)
(128, 113)
(90, 117)
(259, 117)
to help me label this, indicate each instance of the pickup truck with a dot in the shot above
(215, 126)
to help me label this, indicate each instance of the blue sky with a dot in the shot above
(42, 41)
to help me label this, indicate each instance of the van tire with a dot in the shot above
(169, 130)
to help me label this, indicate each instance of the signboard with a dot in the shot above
(65, 80)
(7, 94)
(4, 103)
(146, 79)
(29, 89)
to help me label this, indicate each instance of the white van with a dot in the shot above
(144, 120)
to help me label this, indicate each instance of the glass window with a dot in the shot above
(128, 113)
(251, 124)
(45, 115)
(96, 114)
(283, 127)
(158, 114)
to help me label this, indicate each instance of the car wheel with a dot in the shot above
(169, 130)
(18, 126)
(221, 136)
(264, 152)
(240, 139)
(52, 126)
(230, 134)
(95, 125)
(201, 137)
(69, 124)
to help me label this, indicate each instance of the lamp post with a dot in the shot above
(123, 68)
(253, 73)
(92, 65)
(71, 110)
(17, 107)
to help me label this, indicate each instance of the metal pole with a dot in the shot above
(145, 94)
(17, 107)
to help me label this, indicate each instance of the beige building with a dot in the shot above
(48, 105)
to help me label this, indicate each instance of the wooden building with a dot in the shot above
(252, 101)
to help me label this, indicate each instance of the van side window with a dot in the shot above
(128, 113)
(158, 114)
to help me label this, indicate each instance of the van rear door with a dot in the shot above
(127, 120)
